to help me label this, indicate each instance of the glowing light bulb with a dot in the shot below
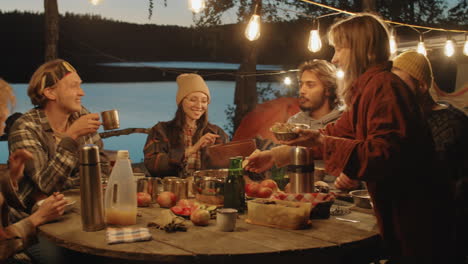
(465, 48)
(315, 44)
(393, 46)
(449, 48)
(422, 48)
(196, 5)
(95, 2)
(252, 32)
(339, 74)
(287, 81)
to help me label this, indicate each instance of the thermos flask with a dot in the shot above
(92, 208)
(301, 170)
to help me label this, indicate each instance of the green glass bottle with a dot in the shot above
(234, 192)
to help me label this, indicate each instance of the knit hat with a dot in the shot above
(189, 83)
(416, 65)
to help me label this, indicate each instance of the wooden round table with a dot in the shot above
(326, 241)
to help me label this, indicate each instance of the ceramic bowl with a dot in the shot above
(286, 136)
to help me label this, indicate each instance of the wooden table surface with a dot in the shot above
(327, 241)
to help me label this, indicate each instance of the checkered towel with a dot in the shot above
(127, 235)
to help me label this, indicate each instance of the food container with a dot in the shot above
(361, 199)
(68, 207)
(283, 132)
(279, 214)
(208, 186)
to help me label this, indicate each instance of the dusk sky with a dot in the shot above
(134, 11)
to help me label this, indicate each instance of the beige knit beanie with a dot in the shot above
(416, 65)
(189, 83)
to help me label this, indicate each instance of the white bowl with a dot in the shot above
(70, 204)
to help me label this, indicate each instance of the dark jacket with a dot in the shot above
(162, 158)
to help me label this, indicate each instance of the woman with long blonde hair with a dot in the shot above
(381, 139)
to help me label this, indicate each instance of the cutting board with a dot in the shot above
(219, 154)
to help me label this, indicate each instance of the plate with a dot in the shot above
(68, 207)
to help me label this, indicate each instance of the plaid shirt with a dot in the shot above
(193, 161)
(17, 236)
(55, 165)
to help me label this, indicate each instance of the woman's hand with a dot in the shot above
(16, 162)
(50, 209)
(343, 182)
(260, 161)
(307, 138)
(206, 140)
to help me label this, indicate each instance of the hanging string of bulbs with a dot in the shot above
(315, 43)
(253, 29)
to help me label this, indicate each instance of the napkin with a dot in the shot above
(127, 235)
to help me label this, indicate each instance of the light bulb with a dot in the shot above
(95, 2)
(393, 46)
(287, 81)
(196, 5)
(465, 48)
(421, 48)
(449, 48)
(339, 74)
(252, 32)
(315, 44)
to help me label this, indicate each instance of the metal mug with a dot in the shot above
(176, 185)
(151, 185)
(110, 119)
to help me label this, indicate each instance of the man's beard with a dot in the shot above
(313, 107)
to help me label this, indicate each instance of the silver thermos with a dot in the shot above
(301, 170)
(92, 207)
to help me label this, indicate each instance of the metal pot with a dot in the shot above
(208, 185)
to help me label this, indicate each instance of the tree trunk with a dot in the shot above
(368, 6)
(245, 95)
(51, 16)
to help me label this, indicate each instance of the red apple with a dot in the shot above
(264, 192)
(252, 188)
(143, 199)
(166, 199)
(270, 184)
(200, 217)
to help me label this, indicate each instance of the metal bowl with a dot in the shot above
(286, 136)
(361, 199)
(208, 185)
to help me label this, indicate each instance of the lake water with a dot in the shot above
(191, 65)
(141, 104)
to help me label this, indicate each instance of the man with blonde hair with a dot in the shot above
(53, 131)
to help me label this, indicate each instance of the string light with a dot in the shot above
(393, 45)
(252, 32)
(465, 47)
(196, 5)
(421, 48)
(95, 2)
(449, 49)
(315, 44)
(339, 74)
(287, 81)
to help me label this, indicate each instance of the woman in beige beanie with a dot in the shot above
(177, 147)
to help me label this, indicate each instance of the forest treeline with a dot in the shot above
(86, 40)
